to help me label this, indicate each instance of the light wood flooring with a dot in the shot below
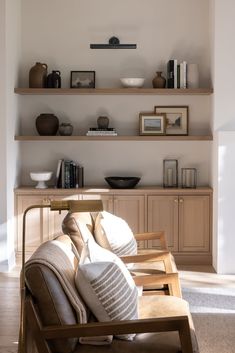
(197, 276)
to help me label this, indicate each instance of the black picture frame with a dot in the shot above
(82, 79)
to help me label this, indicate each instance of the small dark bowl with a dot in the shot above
(122, 182)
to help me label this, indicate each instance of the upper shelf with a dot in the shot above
(113, 91)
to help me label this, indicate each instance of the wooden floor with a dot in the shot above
(197, 276)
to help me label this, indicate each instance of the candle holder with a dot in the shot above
(189, 178)
(170, 173)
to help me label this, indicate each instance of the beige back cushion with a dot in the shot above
(113, 233)
(71, 225)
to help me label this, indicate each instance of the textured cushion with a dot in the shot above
(107, 286)
(113, 233)
(79, 226)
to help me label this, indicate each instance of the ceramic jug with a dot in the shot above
(159, 81)
(38, 76)
(54, 79)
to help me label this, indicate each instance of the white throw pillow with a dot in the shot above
(113, 233)
(107, 286)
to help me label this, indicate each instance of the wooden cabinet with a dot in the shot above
(185, 216)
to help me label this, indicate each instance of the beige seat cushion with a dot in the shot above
(151, 307)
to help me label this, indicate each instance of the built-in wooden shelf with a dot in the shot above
(116, 138)
(113, 91)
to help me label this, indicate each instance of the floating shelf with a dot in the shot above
(113, 91)
(115, 138)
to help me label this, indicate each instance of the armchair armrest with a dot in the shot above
(171, 279)
(160, 235)
(151, 257)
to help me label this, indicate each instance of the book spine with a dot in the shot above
(175, 73)
(170, 74)
(67, 175)
(62, 174)
(178, 76)
(58, 174)
(81, 176)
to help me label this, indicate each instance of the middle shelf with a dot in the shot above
(115, 138)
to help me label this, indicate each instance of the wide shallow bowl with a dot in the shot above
(122, 182)
(41, 178)
(132, 82)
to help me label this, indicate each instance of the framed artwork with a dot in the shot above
(176, 119)
(152, 124)
(82, 79)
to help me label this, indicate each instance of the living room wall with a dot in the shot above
(60, 32)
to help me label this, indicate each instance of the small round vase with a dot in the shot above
(65, 129)
(103, 122)
(47, 124)
(159, 81)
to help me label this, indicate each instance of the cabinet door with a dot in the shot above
(56, 217)
(37, 222)
(194, 223)
(131, 209)
(163, 215)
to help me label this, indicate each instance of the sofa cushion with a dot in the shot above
(106, 286)
(113, 233)
(79, 226)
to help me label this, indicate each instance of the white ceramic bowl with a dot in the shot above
(133, 82)
(41, 178)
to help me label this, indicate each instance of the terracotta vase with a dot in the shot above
(47, 124)
(38, 76)
(159, 81)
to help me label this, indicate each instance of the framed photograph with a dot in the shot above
(152, 124)
(82, 79)
(176, 119)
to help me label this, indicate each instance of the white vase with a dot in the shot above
(193, 76)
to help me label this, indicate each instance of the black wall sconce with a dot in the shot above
(114, 43)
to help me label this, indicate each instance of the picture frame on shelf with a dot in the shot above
(82, 79)
(176, 119)
(152, 123)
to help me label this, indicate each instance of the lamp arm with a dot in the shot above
(21, 347)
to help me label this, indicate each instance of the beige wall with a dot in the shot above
(60, 32)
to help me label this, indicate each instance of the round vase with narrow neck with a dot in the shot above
(47, 124)
(159, 81)
(103, 122)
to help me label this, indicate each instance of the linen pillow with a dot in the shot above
(107, 286)
(113, 233)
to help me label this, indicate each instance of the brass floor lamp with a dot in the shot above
(69, 205)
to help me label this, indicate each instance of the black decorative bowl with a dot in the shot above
(122, 182)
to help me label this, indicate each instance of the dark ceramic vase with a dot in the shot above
(103, 122)
(47, 124)
(159, 81)
(54, 79)
(38, 76)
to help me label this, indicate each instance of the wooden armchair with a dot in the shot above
(53, 326)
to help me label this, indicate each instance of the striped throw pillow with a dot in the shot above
(107, 286)
(113, 233)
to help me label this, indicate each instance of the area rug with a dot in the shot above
(213, 311)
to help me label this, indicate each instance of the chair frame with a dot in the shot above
(41, 334)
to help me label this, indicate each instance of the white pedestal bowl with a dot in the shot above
(41, 178)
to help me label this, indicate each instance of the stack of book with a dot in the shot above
(69, 175)
(94, 131)
(176, 74)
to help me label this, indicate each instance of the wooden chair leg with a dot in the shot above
(185, 338)
(36, 328)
